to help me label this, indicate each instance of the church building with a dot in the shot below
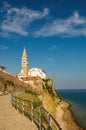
(27, 75)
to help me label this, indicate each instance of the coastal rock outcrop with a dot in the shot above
(59, 108)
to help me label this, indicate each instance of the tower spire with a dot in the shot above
(24, 53)
(25, 62)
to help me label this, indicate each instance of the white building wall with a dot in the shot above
(37, 72)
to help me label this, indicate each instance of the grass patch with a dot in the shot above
(30, 96)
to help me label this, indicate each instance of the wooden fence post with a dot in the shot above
(49, 123)
(22, 106)
(12, 99)
(17, 104)
(40, 118)
(32, 112)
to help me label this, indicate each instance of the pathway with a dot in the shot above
(11, 119)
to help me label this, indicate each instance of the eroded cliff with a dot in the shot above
(59, 108)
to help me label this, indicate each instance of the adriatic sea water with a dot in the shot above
(77, 100)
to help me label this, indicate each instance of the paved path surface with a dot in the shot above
(11, 119)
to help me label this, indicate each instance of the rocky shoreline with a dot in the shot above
(60, 109)
(65, 117)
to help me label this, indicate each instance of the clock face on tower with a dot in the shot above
(24, 63)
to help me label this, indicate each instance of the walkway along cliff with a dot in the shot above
(10, 119)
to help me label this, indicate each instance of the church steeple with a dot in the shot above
(25, 62)
(24, 53)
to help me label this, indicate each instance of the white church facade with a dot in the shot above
(27, 75)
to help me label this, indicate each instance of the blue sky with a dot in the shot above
(54, 34)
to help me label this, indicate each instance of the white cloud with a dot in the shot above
(13, 27)
(50, 59)
(75, 25)
(53, 47)
(3, 47)
(17, 20)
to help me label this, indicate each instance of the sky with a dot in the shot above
(54, 35)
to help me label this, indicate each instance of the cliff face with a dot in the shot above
(56, 106)
(65, 118)
(51, 100)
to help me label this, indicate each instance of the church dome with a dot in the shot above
(34, 72)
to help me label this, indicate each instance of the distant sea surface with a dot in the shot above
(77, 100)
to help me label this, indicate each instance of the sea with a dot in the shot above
(77, 100)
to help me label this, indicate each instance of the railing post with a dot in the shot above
(32, 112)
(49, 123)
(40, 118)
(12, 99)
(22, 106)
(17, 104)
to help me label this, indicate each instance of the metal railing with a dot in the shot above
(36, 114)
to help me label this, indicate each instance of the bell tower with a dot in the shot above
(25, 62)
